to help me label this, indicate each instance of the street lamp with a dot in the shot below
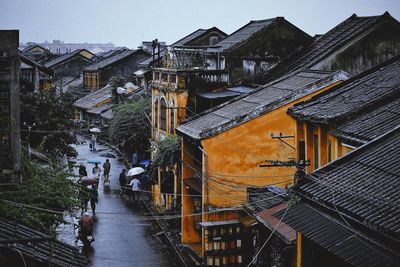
(29, 137)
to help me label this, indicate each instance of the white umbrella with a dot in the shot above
(95, 130)
(135, 171)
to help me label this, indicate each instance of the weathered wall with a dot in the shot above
(378, 46)
(277, 42)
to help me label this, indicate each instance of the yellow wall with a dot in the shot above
(306, 131)
(240, 150)
(179, 100)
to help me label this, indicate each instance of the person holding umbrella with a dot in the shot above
(135, 173)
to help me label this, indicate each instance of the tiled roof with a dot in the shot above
(260, 101)
(110, 60)
(103, 55)
(94, 98)
(370, 124)
(244, 33)
(65, 57)
(340, 36)
(58, 48)
(337, 238)
(30, 62)
(363, 185)
(366, 90)
(42, 250)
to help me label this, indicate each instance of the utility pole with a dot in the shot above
(299, 164)
(29, 137)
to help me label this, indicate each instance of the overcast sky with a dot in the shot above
(128, 22)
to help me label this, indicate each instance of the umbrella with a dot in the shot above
(107, 155)
(88, 181)
(95, 130)
(145, 162)
(94, 161)
(135, 171)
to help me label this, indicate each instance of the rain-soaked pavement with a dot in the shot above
(120, 232)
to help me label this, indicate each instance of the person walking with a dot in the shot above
(82, 171)
(93, 141)
(106, 168)
(94, 198)
(135, 184)
(96, 170)
(84, 195)
(122, 182)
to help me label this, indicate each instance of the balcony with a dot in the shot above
(177, 79)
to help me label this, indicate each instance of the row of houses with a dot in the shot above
(267, 110)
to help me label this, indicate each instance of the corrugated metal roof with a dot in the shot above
(258, 102)
(337, 238)
(366, 90)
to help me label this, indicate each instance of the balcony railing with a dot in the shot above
(174, 79)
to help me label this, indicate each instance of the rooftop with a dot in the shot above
(112, 59)
(363, 186)
(95, 98)
(61, 48)
(340, 36)
(42, 249)
(65, 57)
(336, 237)
(370, 124)
(29, 62)
(260, 101)
(364, 91)
(244, 33)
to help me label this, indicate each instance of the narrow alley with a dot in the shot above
(121, 236)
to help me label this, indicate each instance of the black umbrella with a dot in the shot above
(107, 155)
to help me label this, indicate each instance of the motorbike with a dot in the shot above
(83, 236)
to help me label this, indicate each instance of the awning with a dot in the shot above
(194, 184)
(141, 72)
(222, 94)
(248, 221)
(218, 223)
(337, 238)
(285, 232)
(107, 115)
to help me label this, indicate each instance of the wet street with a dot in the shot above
(120, 232)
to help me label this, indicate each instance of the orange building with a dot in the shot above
(222, 152)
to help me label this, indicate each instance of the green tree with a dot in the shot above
(167, 152)
(131, 122)
(43, 188)
(115, 82)
(51, 113)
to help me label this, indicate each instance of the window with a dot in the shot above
(217, 246)
(329, 150)
(316, 152)
(163, 114)
(239, 259)
(239, 243)
(213, 39)
(156, 113)
(210, 261)
(172, 116)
